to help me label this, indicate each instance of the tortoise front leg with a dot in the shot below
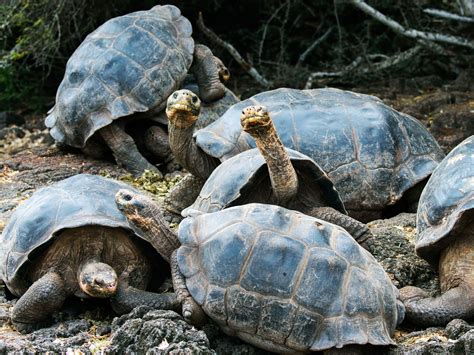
(128, 297)
(45, 296)
(427, 311)
(157, 142)
(191, 311)
(358, 230)
(125, 151)
(183, 194)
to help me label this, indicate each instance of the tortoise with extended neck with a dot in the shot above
(276, 278)
(130, 64)
(275, 175)
(445, 237)
(377, 158)
(70, 239)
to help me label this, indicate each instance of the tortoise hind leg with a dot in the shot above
(423, 310)
(44, 297)
(358, 230)
(125, 151)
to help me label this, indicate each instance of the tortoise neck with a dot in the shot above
(282, 173)
(188, 154)
(456, 262)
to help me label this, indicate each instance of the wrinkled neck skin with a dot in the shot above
(282, 173)
(186, 151)
(456, 262)
(150, 221)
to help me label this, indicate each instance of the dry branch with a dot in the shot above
(233, 52)
(316, 43)
(395, 26)
(448, 15)
(387, 63)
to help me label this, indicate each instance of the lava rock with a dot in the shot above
(457, 328)
(156, 332)
(394, 248)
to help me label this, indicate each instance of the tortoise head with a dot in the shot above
(137, 208)
(224, 73)
(255, 118)
(98, 279)
(182, 108)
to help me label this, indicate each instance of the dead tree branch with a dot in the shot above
(372, 68)
(233, 52)
(316, 43)
(448, 15)
(466, 7)
(415, 34)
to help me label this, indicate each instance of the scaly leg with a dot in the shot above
(191, 311)
(358, 230)
(45, 296)
(125, 151)
(128, 297)
(426, 311)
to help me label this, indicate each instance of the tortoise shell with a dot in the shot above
(372, 153)
(291, 282)
(447, 201)
(129, 64)
(245, 178)
(74, 202)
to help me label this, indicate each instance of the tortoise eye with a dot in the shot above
(195, 99)
(175, 95)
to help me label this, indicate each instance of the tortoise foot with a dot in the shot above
(411, 293)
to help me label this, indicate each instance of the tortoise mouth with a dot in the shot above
(182, 107)
(252, 122)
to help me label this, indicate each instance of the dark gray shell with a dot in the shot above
(129, 64)
(265, 273)
(372, 153)
(74, 202)
(244, 178)
(446, 201)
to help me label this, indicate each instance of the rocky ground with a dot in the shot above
(29, 160)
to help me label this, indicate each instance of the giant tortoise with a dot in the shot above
(70, 239)
(378, 158)
(278, 279)
(445, 237)
(128, 65)
(275, 175)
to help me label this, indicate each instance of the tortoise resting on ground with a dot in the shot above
(275, 175)
(130, 64)
(376, 157)
(445, 237)
(70, 239)
(278, 279)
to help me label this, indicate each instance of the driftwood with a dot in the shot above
(233, 52)
(415, 34)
